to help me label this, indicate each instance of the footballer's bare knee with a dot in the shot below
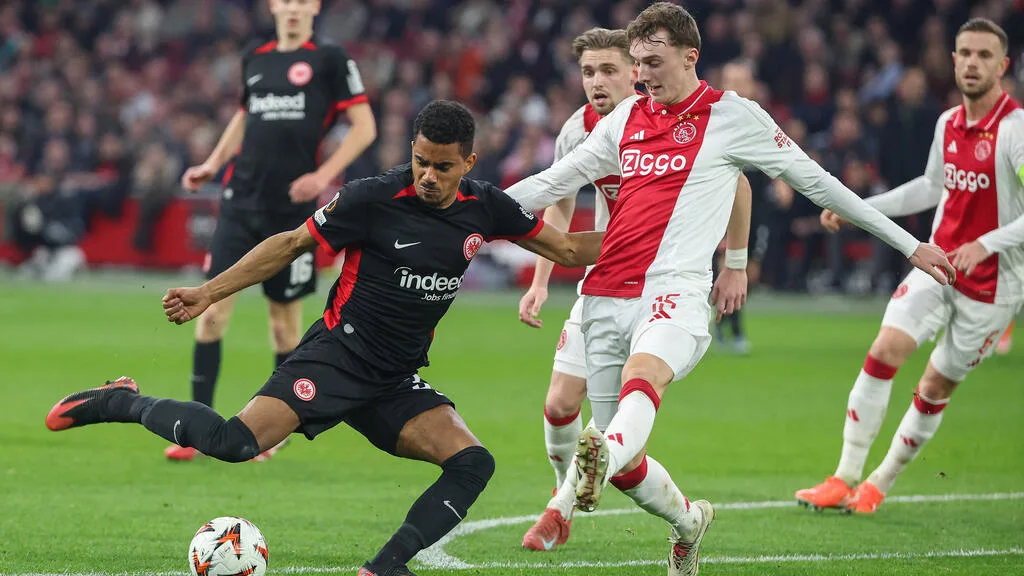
(892, 346)
(565, 395)
(285, 324)
(270, 420)
(650, 368)
(934, 386)
(213, 323)
(435, 436)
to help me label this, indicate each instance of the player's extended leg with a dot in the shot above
(865, 412)
(441, 437)
(262, 423)
(206, 355)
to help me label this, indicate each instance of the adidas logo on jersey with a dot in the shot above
(638, 136)
(952, 147)
(275, 107)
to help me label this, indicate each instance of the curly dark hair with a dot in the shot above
(446, 122)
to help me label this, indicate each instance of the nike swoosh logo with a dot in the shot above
(548, 544)
(399, 246)
(448, 503)
(289, 292)
(175, 432)
(254, 79)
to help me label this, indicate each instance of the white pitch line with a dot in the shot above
(778, 559)
(431, 554)
(437, 557)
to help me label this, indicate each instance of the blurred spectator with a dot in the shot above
(123, 83)
(154, 182)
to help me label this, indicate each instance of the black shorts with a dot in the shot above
(239, 231)
(319, 382)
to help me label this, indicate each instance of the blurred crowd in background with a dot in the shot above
(102, 100)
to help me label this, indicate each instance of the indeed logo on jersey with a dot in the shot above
(965, 180)
(435, 287)
(274, 107)
(636, 163)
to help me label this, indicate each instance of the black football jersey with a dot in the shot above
(405, 261)
(291, 100)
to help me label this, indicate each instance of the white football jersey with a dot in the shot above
(979, 169)
(679, 166)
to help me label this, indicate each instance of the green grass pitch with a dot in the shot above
(744, 432)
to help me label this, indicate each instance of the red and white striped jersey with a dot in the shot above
(979, 167)
(573, 133)
(679, 166)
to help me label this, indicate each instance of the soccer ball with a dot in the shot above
(228, 546)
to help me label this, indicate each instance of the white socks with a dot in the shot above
(629, 430)
(865, 411)
(560, 437)
(916, 429)
(650, 486)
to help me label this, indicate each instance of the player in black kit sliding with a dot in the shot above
(409, 235)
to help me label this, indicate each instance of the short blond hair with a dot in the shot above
(601, 39)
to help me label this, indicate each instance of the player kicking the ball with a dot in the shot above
(608, 77)
(410, 234)
(975, 175)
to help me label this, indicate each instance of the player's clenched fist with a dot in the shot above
(184, 304)
(831, 221)
(932, 259)
(196, 176)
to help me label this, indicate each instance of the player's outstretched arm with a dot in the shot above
(559, 216)
(811, 180)
(916, 196)
(730, 290)
(758, 141)
(569, 250)
(262, 262)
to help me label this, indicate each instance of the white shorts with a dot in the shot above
(570, 357)
(671, 324)
(921, 307)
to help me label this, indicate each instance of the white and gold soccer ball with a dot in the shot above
(228, 546)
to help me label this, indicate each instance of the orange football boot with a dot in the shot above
(550, 530)
(865, 499)
(832, 493)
